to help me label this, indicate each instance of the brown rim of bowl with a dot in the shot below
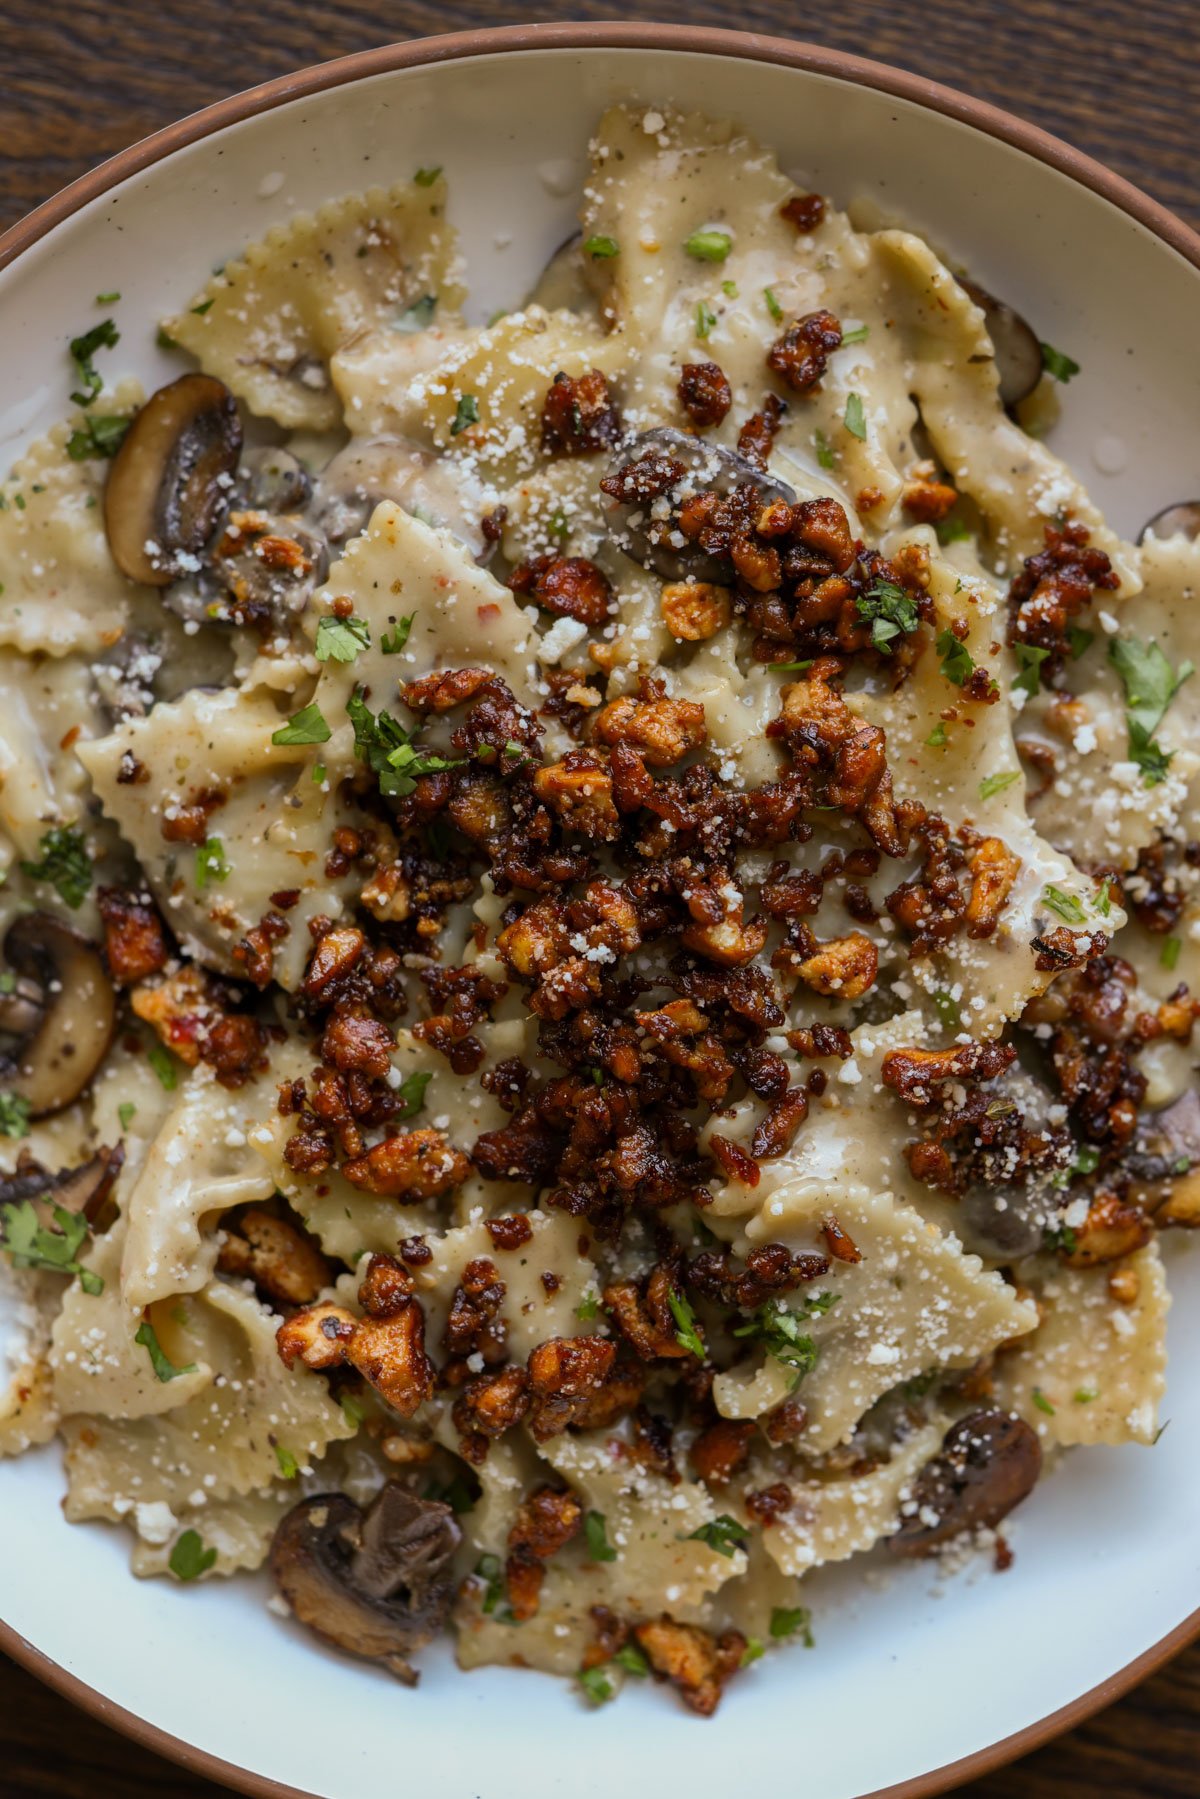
(747, 46)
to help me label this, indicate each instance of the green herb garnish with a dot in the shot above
(854, 417)
(427, 177)
(686, 1333)
(1150, 685)
(790, 1621)
(412, 1092)
(1058, 363)
(65, 864)
(773, 306)
(189, 1558)
(891, 612)
(97, 437)
(32, 1244)
(210, 862)
(164, 1367)
(957, 664)
(781, 1336)
(706, 318)
(1065, 904)
(391, 642)
(101, 337)
(387, 749)
(341, 639)
(723, 1533)
(595, 1532)
(465, 413)
(306, 726)
(709, 246)
(1030, 657)
(601, 248)
(993, 784)
(14, 1115)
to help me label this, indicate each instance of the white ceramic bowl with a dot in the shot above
(917, 1681)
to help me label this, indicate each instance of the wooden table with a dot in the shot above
(83, 78)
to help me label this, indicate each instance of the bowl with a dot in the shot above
(918, 1679)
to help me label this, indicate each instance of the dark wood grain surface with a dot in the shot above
(80, 79)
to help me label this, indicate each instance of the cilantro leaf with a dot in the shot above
(1030, 657)
(32, 1244)
(388, 751)
(891, 612)
(947, 1010)
(14, 1115)
(937, 739)
(957, 663)
(588, 1307)
(340, 639)
(125, 1112)
(101, 337)
(821, 444)
(595, 1531)
(391, 642)
(164, 1367)
(189, 1558)
(309, 725)
(686, 1334)
(412, 1092)
(1150, 685)
(164, 1065)
(951, 529)
(709, 246)
(992, 784)
(419, 315)
(1058, 363)
(65, 864)
(723, 1533)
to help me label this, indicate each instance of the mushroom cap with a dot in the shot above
(165, 494)
(63, 1012)
(713, 468)
(378, 1583)
(1015, 344)
(988, 1462)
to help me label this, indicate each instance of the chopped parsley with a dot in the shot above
(859, 335)
(419, 315)
(779, 1331)
(596, 1684)
(65, 864)
(1079, 641)
(686, 1334)
(993, 784)
(632, 1660)
(723, 1533)
(1042, 1403)
(588, 1307)
(773, 306)
(1064, 1239)
(489, 1570)
(1058, 363)
(706, 318)
(557, 529)
(1169, 954)
(602, 248)
(189, 1558)
(595, 1532)
(791, 668)
(427, 177)
(957, 663)
(289, 1467)
(1087, 1161)
(457, 1494)
(14, 1115)
(1150, 685)
(164, 1367)
(391, 642)
(352, 1409)
(729, 289)
(1065, 904)
(412, 1092)
(1030, 657)
(210, 862)
(891, 612)
(791, 1621)
(937, 739)
(854, 417)
(709, 246)
(753, 1652)
(125, 1112)
(164, 1065)
(821, 445)
(97, 437)
(32, 1244)
(340, 639)
(388, 751)
(951, 529)
(309, 725)
(101, 337)
(107, 299)
(1085, 1395)
(465, 413)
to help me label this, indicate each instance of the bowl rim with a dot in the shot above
(858, 71)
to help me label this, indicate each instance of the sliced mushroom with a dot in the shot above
(275, 480)
(124, 682)
(1004, 1223)
(170, 481)
(1165, 1162)
(389, 468)
(378, 1583)
(1015, 344)
(1180, 520)
(987, 1464)
(62, 1011)
(85, 1189)
(638, 531)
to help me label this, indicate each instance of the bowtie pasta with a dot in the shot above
(599, 924)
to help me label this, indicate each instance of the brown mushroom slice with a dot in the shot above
(170, 481)
(705, 467)
(379, 1583)
(62, 1011)
(988, 1463)
(1015, 344)
(1164, 1162)
(84, 1190)
(1180, 520)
